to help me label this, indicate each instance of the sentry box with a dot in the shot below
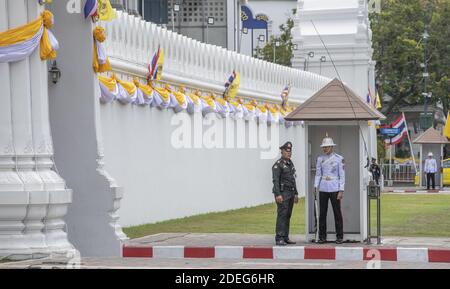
(337, 111)
(431, 141)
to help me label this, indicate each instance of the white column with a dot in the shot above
(33, 198)
(92, 218)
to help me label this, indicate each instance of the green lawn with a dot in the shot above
(401, 215)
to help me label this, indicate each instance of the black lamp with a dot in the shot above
(55, 73)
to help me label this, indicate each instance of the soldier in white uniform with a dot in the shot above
(430, 169)
(330, 182)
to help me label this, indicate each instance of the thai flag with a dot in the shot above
(285, 91)
(369, 98)
(230, 79)
(90, 8)
(401, 124)
(153, 66)
(284, 95)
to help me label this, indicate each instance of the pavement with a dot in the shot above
(245, 251)
(244, 246)
(193, 263)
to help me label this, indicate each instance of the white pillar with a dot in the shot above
(33, 197)
(77, 133)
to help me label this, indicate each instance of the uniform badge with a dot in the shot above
(275, 167)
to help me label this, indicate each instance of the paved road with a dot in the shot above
(148, 263)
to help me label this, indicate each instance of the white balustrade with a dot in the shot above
(133, 42)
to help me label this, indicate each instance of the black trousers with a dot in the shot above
(430, 179)
(284, 212)
(336, 204)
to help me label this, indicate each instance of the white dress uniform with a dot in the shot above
(329, 180)
(330, 174)
(430, 166)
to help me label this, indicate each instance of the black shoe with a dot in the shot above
(281, 243)
(287, 241)
(339, 241)
(322, 241)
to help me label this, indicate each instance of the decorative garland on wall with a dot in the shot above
(166, 96)
(18, 43)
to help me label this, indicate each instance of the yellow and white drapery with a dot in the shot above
(125, 92)
(222, 107)
(178, 99)
(161, 97)
(250, 110)
(170, 96)
(18, 43)
(261, 113)
(273, 115)
(208, 104)
(194, 103)
(236, 108)
(100, 61)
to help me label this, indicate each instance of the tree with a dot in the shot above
(283, 53)
(399, 50)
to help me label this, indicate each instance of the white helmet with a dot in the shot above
(327, 142)
(430, 154)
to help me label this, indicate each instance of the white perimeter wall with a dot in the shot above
(161, 182)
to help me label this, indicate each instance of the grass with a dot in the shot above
(401, 215)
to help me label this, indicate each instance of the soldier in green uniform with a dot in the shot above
(285, 191)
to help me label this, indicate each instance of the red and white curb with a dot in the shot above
(398, 254)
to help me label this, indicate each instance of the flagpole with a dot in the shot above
(410, 143)
(390, 159)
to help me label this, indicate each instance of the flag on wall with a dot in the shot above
(105, 10)
(232, 85)
(447, 127)
(378, 101)
(156, 66)
(399, 123)
(285, 96)
(90, 8)
(369, 98)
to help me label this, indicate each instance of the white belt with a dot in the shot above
(329, 178)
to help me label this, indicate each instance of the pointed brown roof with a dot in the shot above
(431, 136)
(335, 101)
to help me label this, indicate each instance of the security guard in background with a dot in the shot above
(330, 182)
(285, 191)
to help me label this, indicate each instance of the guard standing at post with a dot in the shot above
(285, 191)
(375, 170)
(330, 182)
(430, 169)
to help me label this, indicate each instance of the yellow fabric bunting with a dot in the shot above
(109, 82)
(100, 36)
(129, 86)
(21, 33)
(195, 97)
(46, 49)
(146, 89)
(163, 92)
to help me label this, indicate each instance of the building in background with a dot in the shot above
(215, 22)
(274, 13)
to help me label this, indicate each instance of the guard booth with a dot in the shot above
(337, 111)
(431, 141)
